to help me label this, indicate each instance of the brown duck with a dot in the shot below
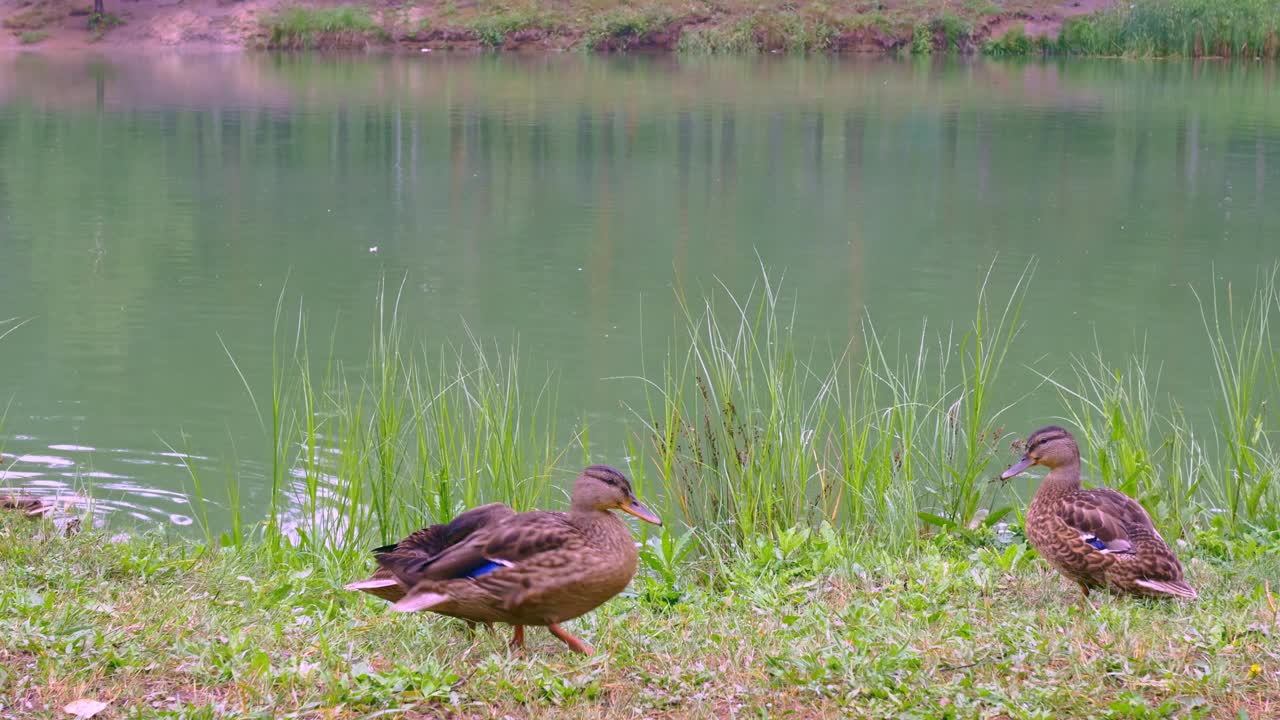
(532, 568)
(1099, 538)
(27, 504)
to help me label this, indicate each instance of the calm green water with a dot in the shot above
(152, 205)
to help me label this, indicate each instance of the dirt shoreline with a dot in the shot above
(235, 25)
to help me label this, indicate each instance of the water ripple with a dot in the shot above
(114, 489)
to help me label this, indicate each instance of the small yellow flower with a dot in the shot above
(1254, 669)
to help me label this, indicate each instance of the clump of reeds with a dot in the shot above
(331, 27)
(749, 431)
(362, 457)
(1182, 28)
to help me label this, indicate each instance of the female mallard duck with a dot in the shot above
(427, 543)
(1098, 538)
(28, 504)
(532, 568)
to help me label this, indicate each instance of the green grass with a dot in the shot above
(760, 32)
(752, 431)
(1180, 28)
(102, 22)
(492, 30)
(31, 37)
(833, 545)
(1143, 28)
(1232, 28)
(416, 436)
(714, 41)
(921, 40)
(816, 625)
(340, 26)
(1013, 43)
(619, 29)
(1246, 365)
(954, 29)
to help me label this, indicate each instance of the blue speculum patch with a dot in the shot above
(484, 569)
(1096, 543)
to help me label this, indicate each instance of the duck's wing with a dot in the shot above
(1104, 518)
(424, 544)
(489, 548)
(433, 540)
(1152, 565)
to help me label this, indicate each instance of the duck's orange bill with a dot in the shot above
(634, 507)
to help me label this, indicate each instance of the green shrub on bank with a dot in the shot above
(340, 26)
(1013, 43)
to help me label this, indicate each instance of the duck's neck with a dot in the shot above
(1060, 480)
(585, 516)
(584, 507)
(604, 527)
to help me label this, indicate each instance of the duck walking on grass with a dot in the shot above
(531, 568)
(1099, 538)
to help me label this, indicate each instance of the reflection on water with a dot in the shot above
(152, 209)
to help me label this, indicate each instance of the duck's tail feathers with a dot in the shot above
(1176, 588)
(419, 601)
(371, 584)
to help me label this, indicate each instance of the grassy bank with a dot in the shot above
(306, 28)
(698, 28)
(1185, 28)
(1177, 28)
(1182, 28)
(817, 628)
(834, 544)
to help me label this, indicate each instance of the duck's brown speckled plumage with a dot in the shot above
(1099, 538)
(532, 568)
(427, 543)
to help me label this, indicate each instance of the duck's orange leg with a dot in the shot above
(574, 643)
(1085, 597)
(517, 640)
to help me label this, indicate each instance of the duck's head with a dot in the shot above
(601, 487)
(1049, 446)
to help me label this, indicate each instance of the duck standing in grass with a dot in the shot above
(1099, 538)
(531, 568)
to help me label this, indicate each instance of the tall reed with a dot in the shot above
(1185, 28)
(362, 456)
(752, 433)
(749, 431)
(1129, 442)
(1247, 379)
(735, 423)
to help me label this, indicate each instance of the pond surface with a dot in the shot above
(153, 208)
